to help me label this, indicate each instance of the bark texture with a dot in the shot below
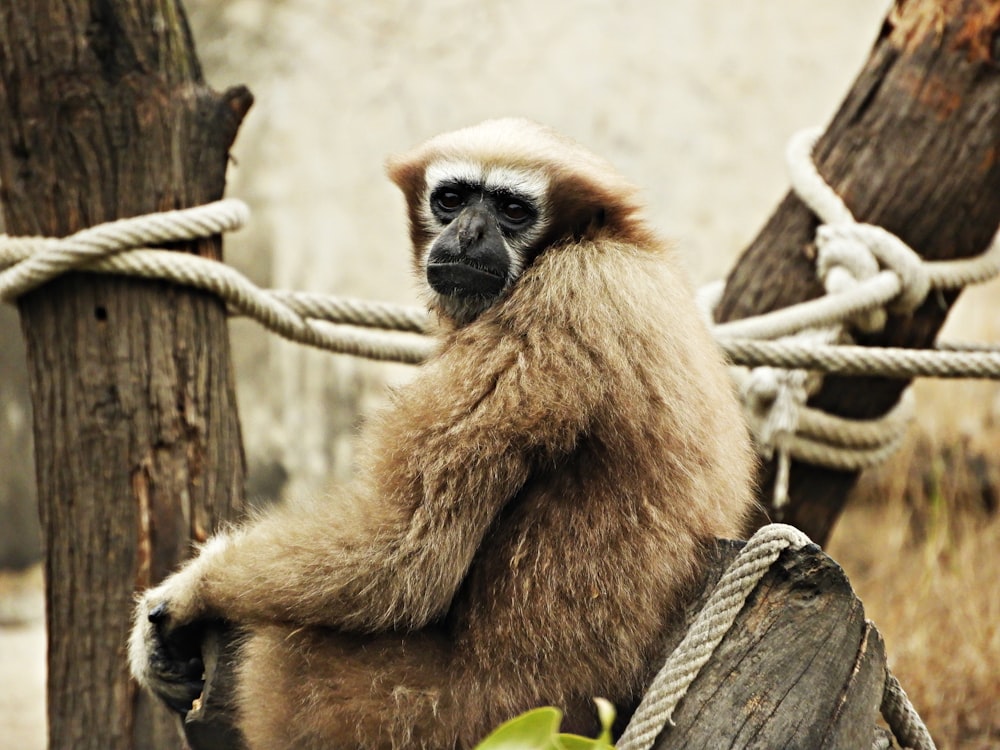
(914, 148)
(104, 114)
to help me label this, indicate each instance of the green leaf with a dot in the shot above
(576, 742)
(534, 730)
(539, 730)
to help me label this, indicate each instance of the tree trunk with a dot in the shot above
(915, 148)
(104, 114)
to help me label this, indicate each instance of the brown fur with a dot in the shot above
(530, 513)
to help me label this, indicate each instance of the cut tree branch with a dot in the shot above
(914, 148)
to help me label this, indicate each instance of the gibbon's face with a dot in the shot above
(484, 222)
(485, 201)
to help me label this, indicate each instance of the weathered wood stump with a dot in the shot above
(800, 668)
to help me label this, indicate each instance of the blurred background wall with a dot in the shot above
(693, 100)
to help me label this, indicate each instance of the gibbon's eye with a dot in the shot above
(449, 200)
(514, 211)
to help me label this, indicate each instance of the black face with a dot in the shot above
(477, 254)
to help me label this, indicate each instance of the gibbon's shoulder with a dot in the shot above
(598, 290)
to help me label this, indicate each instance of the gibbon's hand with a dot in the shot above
(166, 659)
(167, 631)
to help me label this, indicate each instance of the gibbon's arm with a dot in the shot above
(458, 444)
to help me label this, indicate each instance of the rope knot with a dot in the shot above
(850, 252)
(776, 400)
(842, 264)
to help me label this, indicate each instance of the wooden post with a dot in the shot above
(914, 148)
(104, 114)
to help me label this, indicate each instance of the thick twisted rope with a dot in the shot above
(851, 257)
(301, 317)
(902, 717)
(711, 625)
(778, 418)
(843, 359)
(43, 258)
(118, 247)
(918, 276)
(862, 298)
(867, 272)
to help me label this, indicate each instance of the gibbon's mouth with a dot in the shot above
(461, 279)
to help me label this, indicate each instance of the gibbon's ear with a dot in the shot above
(408, 174)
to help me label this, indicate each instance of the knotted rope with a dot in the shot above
(712, 624)
(867, 272)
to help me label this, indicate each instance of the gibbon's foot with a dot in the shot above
(174, 669)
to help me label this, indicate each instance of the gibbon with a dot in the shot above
(530, 512)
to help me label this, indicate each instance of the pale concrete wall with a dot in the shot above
(693, 100)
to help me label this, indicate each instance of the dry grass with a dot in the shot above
(921, 544)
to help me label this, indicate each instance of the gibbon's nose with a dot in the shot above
(472, 224)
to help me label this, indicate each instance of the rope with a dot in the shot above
(36, 260)
(810, 186)
(902, 717)
(867, 272)
(300, 317)
(711, 625)
(868, 295)
(850, 299)
(46, 258)
(842, 359)
(811, 435)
